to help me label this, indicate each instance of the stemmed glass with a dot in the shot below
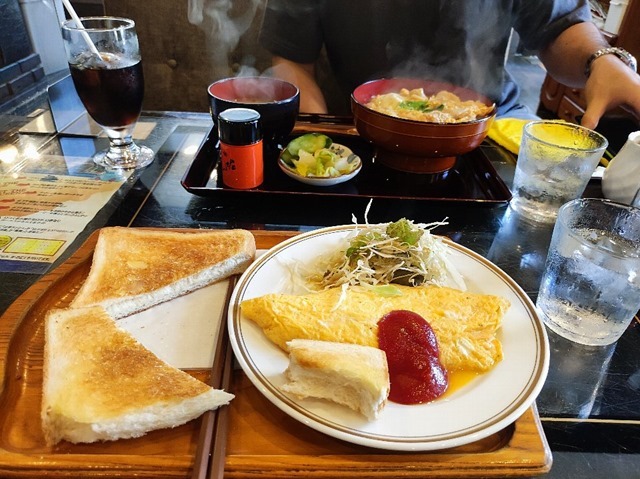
(105, 63)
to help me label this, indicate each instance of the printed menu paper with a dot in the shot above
(42, 214)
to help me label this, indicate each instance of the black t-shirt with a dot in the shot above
(463, 42)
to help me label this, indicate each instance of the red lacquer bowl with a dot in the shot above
(277, 101)
(416, 146)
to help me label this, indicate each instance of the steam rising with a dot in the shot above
(462, 54)
(225, 22)
(463, 46)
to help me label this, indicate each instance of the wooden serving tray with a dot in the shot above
(262, 440)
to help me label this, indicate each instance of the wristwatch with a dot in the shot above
(621, 53)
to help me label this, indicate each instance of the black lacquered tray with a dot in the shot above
(472, 179)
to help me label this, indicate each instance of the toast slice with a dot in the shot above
(349, 374)
(101, 384)
(135, 268)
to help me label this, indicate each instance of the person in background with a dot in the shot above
(462, 42)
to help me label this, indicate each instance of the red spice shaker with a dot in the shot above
(240, 148)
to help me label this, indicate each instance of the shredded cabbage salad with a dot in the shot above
(402, 252)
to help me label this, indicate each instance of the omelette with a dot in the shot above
(465, 323)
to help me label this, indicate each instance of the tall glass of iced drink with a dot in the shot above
(105, 63)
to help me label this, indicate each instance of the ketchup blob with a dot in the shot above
(415, 371)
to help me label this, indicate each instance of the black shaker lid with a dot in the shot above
(239, 126)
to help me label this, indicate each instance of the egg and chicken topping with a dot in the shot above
(443, 107)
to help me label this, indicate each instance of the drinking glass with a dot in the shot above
(105, 63)
(575, 383)
(555, 162)
(590, 290)
(636, 199)
(520, 248)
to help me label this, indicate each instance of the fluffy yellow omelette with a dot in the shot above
(465, 323)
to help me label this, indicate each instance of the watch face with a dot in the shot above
(631, 60)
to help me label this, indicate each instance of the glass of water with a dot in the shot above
(555, 162)
(590, 290)
(636, 199)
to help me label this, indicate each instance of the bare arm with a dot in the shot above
(303, 76)
(611, 82)
(566, 57)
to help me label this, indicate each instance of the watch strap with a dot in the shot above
(621, 53)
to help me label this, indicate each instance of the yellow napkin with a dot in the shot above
(507, 132)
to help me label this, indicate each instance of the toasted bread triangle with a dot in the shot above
(102, 384)
(136, 268)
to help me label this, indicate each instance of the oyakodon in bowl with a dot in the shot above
(419, 145)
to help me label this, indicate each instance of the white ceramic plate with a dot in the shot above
(480, 408)
(320, 181)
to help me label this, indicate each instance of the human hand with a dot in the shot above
(611, 84)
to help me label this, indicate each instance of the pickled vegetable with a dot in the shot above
(315, 155)
(310, 142)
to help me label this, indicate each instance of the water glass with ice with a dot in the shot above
(590, 290)
(636, 199)
(555, 162)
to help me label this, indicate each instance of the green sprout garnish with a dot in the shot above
(420, 105)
